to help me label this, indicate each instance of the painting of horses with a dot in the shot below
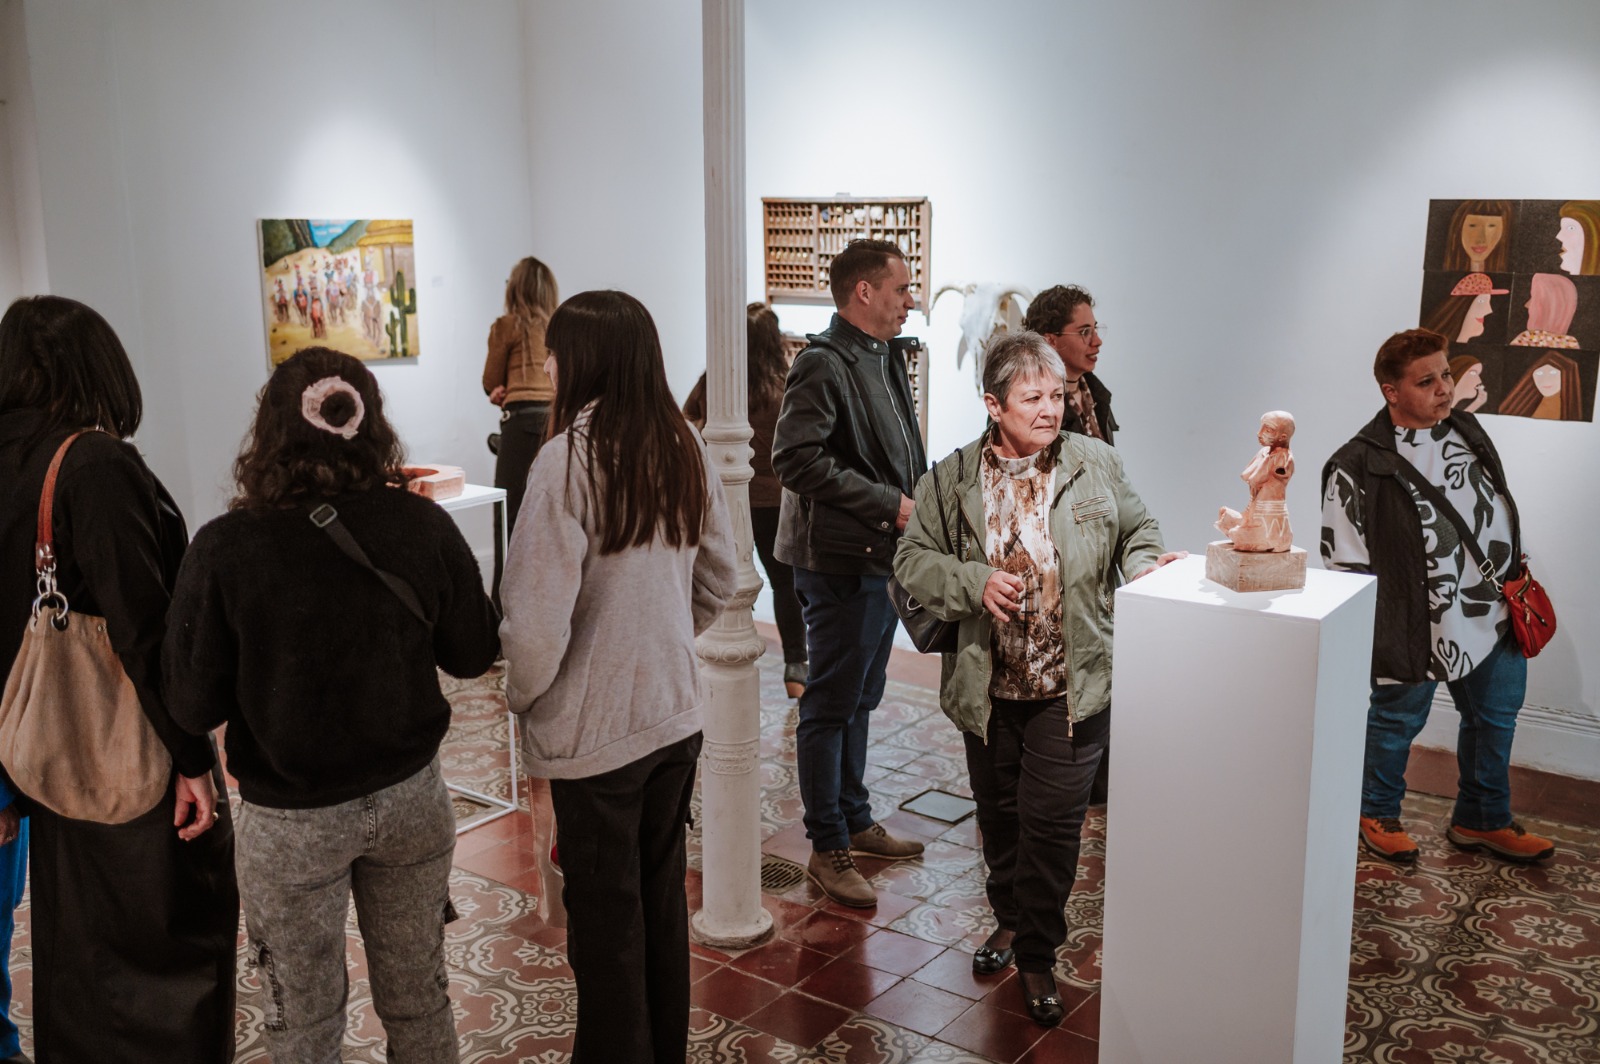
(345, 283)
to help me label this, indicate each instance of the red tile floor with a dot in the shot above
(1463, 959)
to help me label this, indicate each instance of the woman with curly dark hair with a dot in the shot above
(311, 619)
(133, 924)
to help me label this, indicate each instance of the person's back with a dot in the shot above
(305, 640)
(623, 554)
(332, 677)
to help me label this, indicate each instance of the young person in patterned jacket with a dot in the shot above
(1439, 620)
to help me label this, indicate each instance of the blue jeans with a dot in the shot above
(13, 873)
(849, 632)
(1488, 699)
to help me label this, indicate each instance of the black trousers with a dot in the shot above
(134, 939)
(1031, 781)
(521, 436)
(785, 607)
(621, 837)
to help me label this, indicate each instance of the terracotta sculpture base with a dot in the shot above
(438, 482)
(1242, 570)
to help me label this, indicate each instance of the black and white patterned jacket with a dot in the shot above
(1402, 637)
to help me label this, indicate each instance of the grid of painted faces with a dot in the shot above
(1514, 285)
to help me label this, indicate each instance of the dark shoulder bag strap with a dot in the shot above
(326, 518)
(1408, 473)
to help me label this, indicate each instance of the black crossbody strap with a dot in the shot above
(1409, 473)
(938, 495)
(957, 542)
(326, 518)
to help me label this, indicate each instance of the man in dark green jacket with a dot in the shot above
(848, 454)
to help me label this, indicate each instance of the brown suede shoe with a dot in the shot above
(836, 874)
(877, 842)
(1385, 837)
(1510, 842)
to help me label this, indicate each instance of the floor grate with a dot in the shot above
(778, 874)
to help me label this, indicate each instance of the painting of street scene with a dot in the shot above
(348, 284)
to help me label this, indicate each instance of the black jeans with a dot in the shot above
(521, 436)
(621, 837)
(785, 607)
(1031, 781)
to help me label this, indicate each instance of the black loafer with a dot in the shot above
(987, 961)
(1044, 1009)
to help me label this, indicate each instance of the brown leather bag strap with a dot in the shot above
(44, 547)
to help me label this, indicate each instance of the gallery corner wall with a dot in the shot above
(166, 129)
(615, 114)
(22, 259)
(1244, 187)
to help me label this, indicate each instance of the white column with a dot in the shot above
(730, 830)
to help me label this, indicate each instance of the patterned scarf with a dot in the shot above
(1083, 405)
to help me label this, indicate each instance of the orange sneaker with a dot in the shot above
(1511, 842)
(1385, 837)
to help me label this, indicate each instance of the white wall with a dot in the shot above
(614, 108)
(22, 258)
(167, 128)
(1244, 188)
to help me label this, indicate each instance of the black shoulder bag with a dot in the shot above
(928, 633)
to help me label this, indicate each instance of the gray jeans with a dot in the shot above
(297, 869)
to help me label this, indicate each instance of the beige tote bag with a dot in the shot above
(73, 735)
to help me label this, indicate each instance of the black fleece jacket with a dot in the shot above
(325, 680)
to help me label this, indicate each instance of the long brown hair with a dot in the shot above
(287, 461)
(643, 461)
(1449, 315)
(768, 367)
(1524, 397)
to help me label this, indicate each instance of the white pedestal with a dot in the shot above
(1239, 724)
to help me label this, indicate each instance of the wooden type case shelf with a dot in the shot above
(801, 237)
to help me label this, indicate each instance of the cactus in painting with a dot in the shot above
(397, 330)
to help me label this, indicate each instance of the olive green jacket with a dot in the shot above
(1098, 526)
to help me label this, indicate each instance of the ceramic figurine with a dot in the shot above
(1264, 525)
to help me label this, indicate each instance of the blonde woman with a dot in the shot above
(514, 378)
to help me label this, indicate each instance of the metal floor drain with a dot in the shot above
(778, 874)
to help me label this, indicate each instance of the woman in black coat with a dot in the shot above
(134, 925)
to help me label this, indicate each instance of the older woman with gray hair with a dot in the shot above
(1038, 522)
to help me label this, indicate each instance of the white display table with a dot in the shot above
(474, 495)
(478, 495)
(1239, 723)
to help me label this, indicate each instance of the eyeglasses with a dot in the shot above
(1097, 329)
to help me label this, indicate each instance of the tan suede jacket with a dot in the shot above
(517, 362)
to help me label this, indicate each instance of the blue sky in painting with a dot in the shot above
(325, 229)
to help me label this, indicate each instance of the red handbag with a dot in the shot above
(1533, 618)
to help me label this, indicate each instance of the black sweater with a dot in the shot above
(326, 681)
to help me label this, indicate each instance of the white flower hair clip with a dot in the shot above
(315, 395)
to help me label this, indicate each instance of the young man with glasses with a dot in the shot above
(1064, 316)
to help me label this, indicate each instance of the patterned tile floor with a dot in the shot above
(1464, 959)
